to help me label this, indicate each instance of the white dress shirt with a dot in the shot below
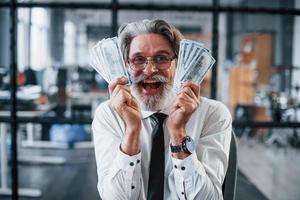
(199, 176)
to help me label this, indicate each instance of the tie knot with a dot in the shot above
(159, 117)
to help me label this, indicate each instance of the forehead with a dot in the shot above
(149, 44)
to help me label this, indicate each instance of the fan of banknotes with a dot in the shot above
(194, 61)
(107, 60)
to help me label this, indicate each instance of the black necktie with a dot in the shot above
(157, 163)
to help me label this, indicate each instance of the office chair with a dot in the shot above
(229, 184)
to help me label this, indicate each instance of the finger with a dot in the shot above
(180, 102)
(194, 87)
(119, 88)
(128, 109)
(183, 96)
(187, 105)
(134, 103)
(188, 95)
(124, 96)
(189, 92)
(118, 97)
(192, 95)
(119, 81)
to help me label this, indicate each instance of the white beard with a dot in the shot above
(154, 102)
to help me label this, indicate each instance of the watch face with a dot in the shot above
(190, 145)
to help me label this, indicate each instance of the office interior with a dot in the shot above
(49, 91)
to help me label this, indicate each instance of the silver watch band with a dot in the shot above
(176, 148)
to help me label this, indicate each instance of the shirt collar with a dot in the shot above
(147, 113)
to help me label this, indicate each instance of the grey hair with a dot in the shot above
(128, 31)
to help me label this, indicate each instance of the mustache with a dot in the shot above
(156, 77)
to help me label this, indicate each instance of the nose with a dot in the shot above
(149, 68)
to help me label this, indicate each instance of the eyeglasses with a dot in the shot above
(161, 62)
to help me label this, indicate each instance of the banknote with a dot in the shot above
(194, 61)
(107, 59)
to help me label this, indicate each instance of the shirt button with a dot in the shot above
(131, 163)
(175, 166)
(138, 161)
(183, 168)
(182, 193)
(132, 187)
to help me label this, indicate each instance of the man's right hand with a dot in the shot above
(122, 101)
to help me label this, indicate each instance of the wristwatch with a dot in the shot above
(187, 146)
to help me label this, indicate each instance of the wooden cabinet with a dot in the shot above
(253, 71)
(242, 85)
(256, 50)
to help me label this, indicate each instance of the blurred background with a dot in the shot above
(48, 91)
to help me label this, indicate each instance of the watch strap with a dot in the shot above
(176, 148)
(183, 147)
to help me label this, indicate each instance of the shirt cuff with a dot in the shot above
(188, 166)
(126, 162)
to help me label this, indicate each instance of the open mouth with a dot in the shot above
(150, 86)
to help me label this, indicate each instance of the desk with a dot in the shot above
(31, 117)
(277, 138)
(265, 124)
(87, 98)
(4, 189)
(76, 100)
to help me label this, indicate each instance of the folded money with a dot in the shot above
(194, 61)
(106, 58)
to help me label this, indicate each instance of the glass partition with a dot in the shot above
(258, 4)
(58, 91)
(168, 2)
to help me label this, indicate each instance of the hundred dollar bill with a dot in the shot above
(185, 57)
(96, 62)
(194, 61)
(199, 68)
(113, 59)
(107, 60)
(181, 61)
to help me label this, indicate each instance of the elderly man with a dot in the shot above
(149, 143)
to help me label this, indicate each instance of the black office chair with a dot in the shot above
(229, 184)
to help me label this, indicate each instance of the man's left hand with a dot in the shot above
(186, 102)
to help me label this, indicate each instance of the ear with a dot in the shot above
(173, 69)
(127, 64)
(174, 65)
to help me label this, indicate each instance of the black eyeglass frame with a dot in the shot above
(147, 59)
